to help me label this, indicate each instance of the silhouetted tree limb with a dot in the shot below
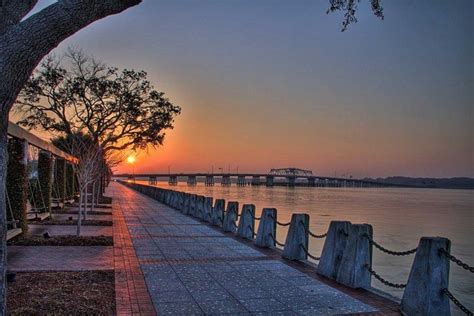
(350, 8)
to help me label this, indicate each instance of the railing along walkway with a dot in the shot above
(191, 267)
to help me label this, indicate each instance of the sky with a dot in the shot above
(275, 83)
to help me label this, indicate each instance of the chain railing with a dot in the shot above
(308, 254)
(388, 251)
(457, 303)
(276, 241)
(456, 260)
(280, 223)
(463, 265)
(313, 234)
(387, 283)
(249, 227)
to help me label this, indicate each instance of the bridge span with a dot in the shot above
(276, 177)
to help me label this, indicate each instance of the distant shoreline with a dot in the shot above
(461, 183)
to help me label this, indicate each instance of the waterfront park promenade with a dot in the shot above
(170, 263)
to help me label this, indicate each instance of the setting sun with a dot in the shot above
(131, 159)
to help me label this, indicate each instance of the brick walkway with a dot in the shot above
(191, 268)
(131, 293)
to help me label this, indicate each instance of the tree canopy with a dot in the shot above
(118, 109)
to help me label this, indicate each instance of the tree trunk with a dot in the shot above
(22, 46)
(79, 213)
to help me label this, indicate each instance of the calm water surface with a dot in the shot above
(399, 217)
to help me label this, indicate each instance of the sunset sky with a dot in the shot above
(275, 83)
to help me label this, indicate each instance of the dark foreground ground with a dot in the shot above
(62, 293)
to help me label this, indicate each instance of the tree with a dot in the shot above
(117, 109)
(23, 43)
(90, 163)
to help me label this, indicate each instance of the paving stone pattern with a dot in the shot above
(191, 268)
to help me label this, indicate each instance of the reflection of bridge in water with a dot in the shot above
(276, 177)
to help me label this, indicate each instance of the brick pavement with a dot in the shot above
(193, 269)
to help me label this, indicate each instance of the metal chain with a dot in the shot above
(456, 260)
(253, 233)
(388, 251)
(280, 223)
(387, 283)
(276, 241)
(456, 302)
(308, 254)
(313, 234)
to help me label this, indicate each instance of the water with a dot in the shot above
(399, 216)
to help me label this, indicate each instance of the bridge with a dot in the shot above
(276, 177)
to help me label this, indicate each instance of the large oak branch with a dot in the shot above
(23, 46)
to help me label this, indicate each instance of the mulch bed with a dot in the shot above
(88, 222)
(62, 241)
(62, 293)
(89, 212)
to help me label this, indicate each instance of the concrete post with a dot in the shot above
(187, 201)
(297, 238)
(246, 227)
(218, 212)
(192, 205)
(181, 201)
(230, 217)
(333, 249)
(167, 197)
(429, 275)
(267, 228)
(198, 211)
(173, 199)
(207, 209)
(358, 252)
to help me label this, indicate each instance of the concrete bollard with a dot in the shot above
(297, 238)
(206, 215)
(266, 234)
(246, 227)
(358, 252)
(187, 200)
(230, 217)
(199, 206)
(173, 199)
(218, 212)
(429, 275)
(333, 249)
(181, 201)
(192, 205)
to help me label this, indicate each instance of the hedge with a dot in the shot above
(17, 182)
